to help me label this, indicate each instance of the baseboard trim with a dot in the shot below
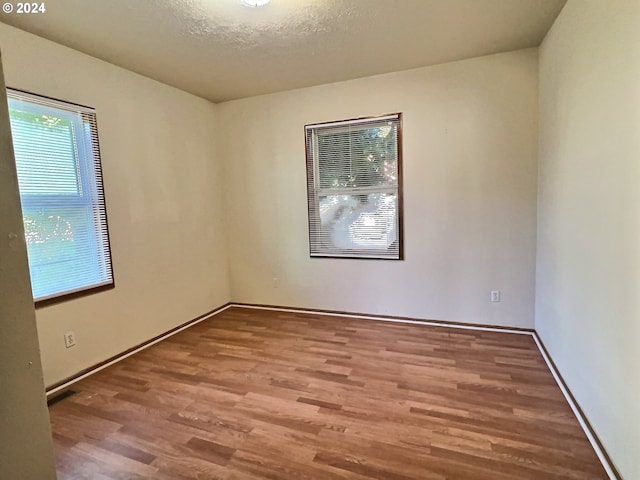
(388, 318)
(590, 433)
(593, 438)
(595, 442)
(61, 385)
(51, 390)
(58, 397)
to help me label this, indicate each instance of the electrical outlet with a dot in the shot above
(495, 295)
(69, 339)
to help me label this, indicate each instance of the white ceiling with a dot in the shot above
(222, 50)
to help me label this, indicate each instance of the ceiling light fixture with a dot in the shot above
(254, 3)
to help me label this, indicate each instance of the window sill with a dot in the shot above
(72, 296)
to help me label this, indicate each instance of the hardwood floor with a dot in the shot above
(253, 394)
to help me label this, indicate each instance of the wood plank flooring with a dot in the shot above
(253, 394)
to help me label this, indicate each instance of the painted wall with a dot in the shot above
(470, 163)
(163, 192)
(588, 266)
(24, 419)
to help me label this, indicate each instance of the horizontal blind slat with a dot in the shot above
(353, 189)
(60, 180)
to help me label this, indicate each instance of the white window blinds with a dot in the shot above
(354, 188)
(60, 179)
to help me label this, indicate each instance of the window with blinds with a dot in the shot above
(354, 188)
(60, 179)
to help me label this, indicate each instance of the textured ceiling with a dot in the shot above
(222, 50)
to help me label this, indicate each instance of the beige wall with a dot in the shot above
(588, 267)
(470, 153)
(163, 192)
(470, 180)
(470, 167)
(24, 420)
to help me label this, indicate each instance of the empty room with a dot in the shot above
(320, 239)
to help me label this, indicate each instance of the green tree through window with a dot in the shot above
(353, 186)
(59, 175)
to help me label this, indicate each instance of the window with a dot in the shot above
(60, 179)
(354, 188)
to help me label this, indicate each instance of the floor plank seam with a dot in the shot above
(577, 411)
(335, 377)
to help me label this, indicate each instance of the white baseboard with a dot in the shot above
(602, 456)
(52, 391)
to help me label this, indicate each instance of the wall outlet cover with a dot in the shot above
(69, 339)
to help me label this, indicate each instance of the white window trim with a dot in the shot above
(314, 191)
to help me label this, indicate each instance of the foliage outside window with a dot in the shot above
(354, 188)
(60, 179)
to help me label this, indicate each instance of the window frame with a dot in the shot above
(314, 191)
(87, 170)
